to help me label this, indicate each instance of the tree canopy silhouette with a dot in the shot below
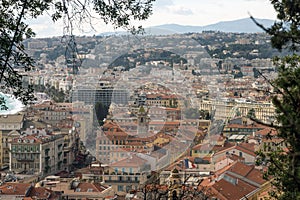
(284, 164)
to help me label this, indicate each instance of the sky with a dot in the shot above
(183, 12)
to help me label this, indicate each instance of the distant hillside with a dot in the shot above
(141, 56)
(245, 25)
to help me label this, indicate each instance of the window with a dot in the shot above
(120, 188)
(241, 154)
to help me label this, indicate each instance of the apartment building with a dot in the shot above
(38, 153)
(127, 174)
(52, 112)
(10, 126)
(224, 109)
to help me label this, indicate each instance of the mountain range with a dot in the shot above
(245, 25)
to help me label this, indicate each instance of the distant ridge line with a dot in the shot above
(245, 25)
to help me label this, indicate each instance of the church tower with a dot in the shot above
(175, 185)
(143, 121)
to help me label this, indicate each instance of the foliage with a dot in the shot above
(12, 52)
(238, 75)
(251, 113)
(55, 94)
(222, 45)
(152, 55)
(101, 112)
(284, 166)
(285, 32)
(287, 102)
(14, 30)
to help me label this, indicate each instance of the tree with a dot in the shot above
(101, 112)
(284, 166)
(285, 32)
(14, 30)
(251, 113)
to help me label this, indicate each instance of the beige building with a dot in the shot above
(10, 125)
(126, 174)
(37, 153)
(83, 120)
(225, 109)
(53, 113)
(75, 189)
(70, 148)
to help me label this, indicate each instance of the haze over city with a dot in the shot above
(203, 105)
(183, 12)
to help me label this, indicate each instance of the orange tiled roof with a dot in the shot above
(248, 148)
(91, 187)
(133, 161)
(248, 171)
(226, 190)
(266, 131)
(14, 188)
(28, 137)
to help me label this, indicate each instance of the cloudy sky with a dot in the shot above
(184, 12)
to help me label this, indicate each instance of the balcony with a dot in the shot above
(121, 179)
(25, 160)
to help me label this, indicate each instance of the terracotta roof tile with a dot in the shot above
(91, 187)
(248, 171)
(14, 188)
(133, 161)
(248, 148)
(231, 191)
(266, 131)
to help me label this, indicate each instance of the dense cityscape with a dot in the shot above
(176, 116)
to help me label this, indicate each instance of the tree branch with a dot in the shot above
(21, 15)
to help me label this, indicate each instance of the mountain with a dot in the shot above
(245, 25)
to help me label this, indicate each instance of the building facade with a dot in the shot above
(10, 126)
(224, 109)
(36, 154)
